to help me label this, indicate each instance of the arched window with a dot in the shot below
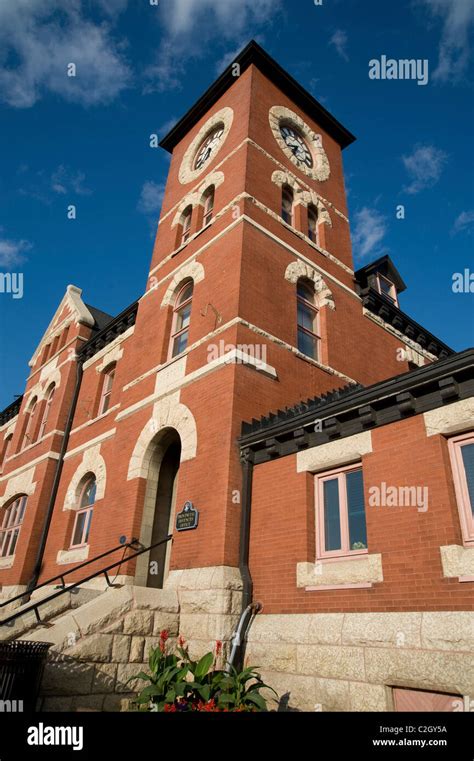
(208, 205)
(85, 508)
(181, 319)
(186, 224)
(308, 320)
(11, 519)
(46, 411)
(107, 383)
(287, 198)
(313, 223)
(29, 435)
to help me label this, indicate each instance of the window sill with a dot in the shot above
(360, 571)
(73, 555)
(457, 562)
(7, 562)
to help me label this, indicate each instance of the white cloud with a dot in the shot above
(454, 47)
(39, 38)
(339, 40)
(65, 180)
(192, 26)
(151, 198)
(424, 166)
(12, 251)
(369, 230)
(463, 222)
(43, 186)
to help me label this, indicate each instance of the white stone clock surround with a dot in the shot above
(321, 169)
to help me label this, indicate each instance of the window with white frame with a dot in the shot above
(340, 513)
(181, 319)
(11, 519)
(84, 511)
(107, 383)
(387, 288)
(462, 460)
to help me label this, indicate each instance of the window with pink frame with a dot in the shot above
(83, 518)
(340, 513)
(181, 319)
(46, 411)
(461, 449)
(10, 526)
(107, 383)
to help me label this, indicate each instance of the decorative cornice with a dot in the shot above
(392, 315)
(354, 409)
(11, 411)
(119, 325)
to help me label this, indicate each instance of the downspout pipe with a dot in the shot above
(57, 478)
(249, 608)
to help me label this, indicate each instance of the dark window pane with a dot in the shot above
(306, 344)
(79, 528)
(183, 319)
(332, 523)
(88, 525)
(180, 343)
(13, 542)
(88, 497)
(468, 460)
(356, 511)
(305, 316)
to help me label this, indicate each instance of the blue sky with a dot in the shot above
(84, 140)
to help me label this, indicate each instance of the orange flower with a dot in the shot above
(164, 635)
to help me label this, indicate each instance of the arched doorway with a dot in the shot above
(159, 508)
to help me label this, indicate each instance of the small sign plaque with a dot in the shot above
(187, 518)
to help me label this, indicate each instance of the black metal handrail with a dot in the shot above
(29, 592)
(34, 606)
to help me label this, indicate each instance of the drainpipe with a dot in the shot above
(57, 477)
(249, 608)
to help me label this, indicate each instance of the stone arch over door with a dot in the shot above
(164, 459)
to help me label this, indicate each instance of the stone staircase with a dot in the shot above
(101, 638)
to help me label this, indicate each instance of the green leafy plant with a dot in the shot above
(178, 683)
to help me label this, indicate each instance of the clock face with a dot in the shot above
(208, 147)
(297, 145)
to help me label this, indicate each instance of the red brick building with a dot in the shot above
(347, 515)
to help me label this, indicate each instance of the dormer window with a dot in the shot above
(387, 288)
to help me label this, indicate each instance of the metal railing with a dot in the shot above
(29, 592)
(105, 571)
